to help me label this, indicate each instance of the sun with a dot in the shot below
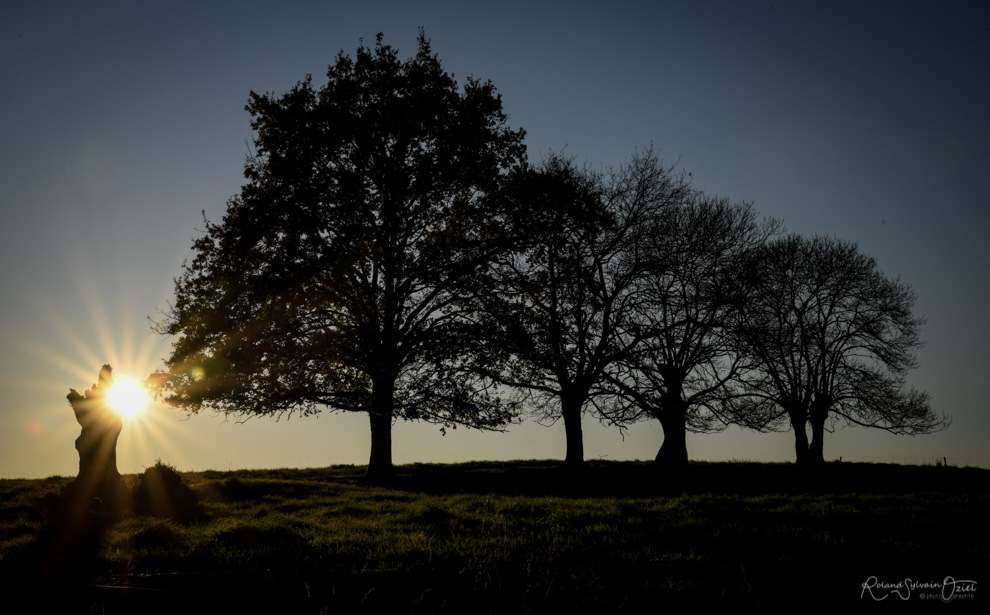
(126, 397)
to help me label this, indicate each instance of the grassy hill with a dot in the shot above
(506, 538)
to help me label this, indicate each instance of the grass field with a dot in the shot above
(512, 537)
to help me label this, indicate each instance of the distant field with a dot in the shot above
(513, 538)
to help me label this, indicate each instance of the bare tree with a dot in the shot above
(832, 339)
(565, 301)
(681, 374)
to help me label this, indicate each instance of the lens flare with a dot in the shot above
(127, 398)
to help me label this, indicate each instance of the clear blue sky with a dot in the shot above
(120, 122)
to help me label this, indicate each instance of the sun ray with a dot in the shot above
(70, 357)
(126, 397)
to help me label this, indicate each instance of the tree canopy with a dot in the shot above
(393, 253)
(690, 303)
(340, 277)
(832, 339)
(566, 298)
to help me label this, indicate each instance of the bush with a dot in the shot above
(161, 492)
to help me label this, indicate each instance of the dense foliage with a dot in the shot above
(339, 276)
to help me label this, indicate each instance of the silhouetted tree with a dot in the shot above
(567, 298)
(833, 339)
(690, 303)
(338, 276)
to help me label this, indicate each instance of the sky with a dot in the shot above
(121, 122)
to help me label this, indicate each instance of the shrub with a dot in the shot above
(161, 492)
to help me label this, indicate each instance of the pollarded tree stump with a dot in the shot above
(97, 444)
(63, 561)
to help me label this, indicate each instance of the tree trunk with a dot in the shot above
(801, 440)
(673, 450)
(571, 412)
(380, 414)
(816, 450)
(818, 416)
(380, 463)
(97, 444)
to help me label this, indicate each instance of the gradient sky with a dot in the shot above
(121, 122)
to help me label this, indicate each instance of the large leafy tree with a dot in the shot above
(832, 340)
(690, 302)
(568, 296)
(341, 275)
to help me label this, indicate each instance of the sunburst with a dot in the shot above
(127, 397)
(96, 331)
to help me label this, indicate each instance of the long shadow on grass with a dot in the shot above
(632, 479)
(632, 538)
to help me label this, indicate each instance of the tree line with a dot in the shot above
(394, 252)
